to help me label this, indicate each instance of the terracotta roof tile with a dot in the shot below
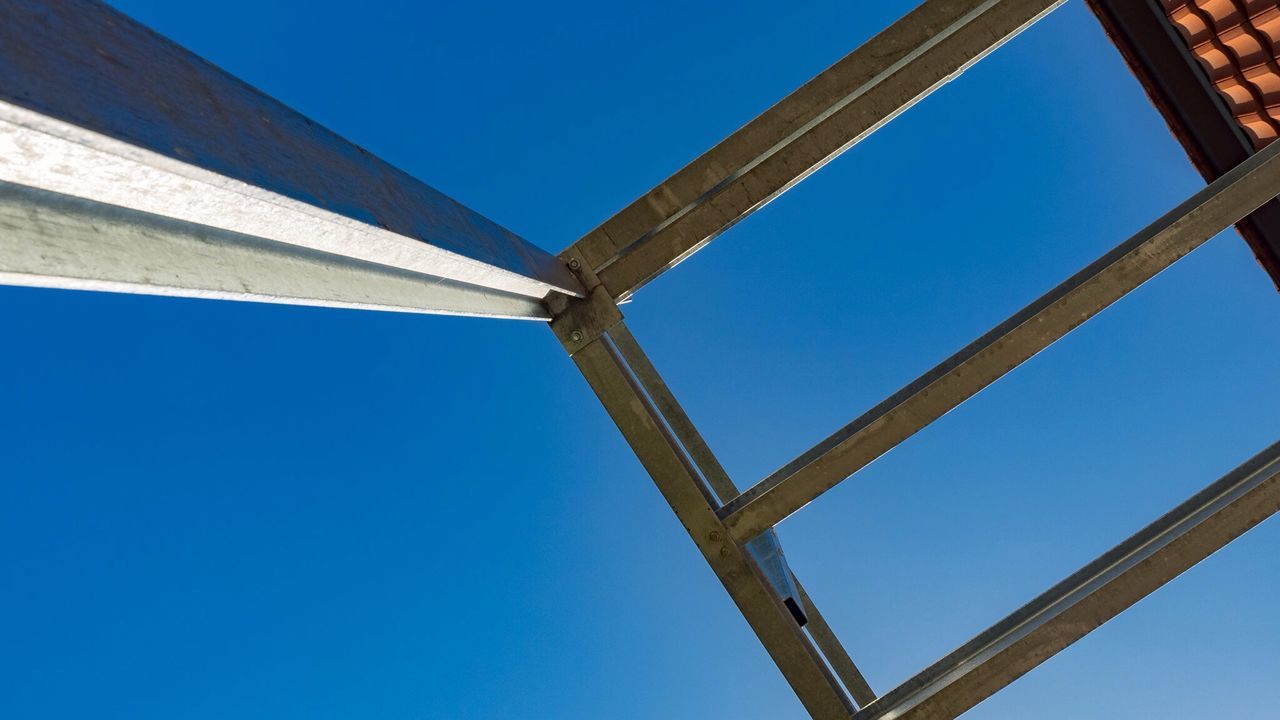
(1210, 68)
(1237, 43)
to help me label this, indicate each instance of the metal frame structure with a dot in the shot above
(256, 202)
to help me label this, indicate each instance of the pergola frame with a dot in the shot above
(69, 231)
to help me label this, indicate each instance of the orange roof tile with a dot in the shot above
(1237, 42)
(1210, 67)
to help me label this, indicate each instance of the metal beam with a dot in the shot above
(1098, 592)
(97, 106)
(1032, 329)
(845, 103)
(608, 375)
(58, 241)
(833, 650)
(683, 429)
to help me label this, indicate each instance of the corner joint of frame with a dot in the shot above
(578, 322)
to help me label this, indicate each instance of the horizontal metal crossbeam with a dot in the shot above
(58, 241)
(1098, 592)
(1210, 211)
(96, 106)
(820, 120)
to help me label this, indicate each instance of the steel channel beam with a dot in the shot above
(722, 485)
(1098, 592)
(1210, 211)
(833, 650)
(867, 88)
(673, 413)
(58, 241)
(630, 408)
(96, 106)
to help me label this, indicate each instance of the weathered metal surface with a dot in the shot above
(834, 652)
(188, 182)
(94, 105)
(578, 323)
(1032, 329)
(682, 427)
(714, 482)
(839, 107)
(58, 241)
(765, 550)
(1098, 592)
(607, 374)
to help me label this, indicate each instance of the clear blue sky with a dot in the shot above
(224, 510)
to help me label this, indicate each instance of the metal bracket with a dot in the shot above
(578, 322)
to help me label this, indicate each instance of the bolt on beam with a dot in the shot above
(57, 241)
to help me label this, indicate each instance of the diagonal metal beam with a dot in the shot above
(96, 106)
(683, 429)
(833, 650)
(845, 103)
(58, 241)
(1098, 592)
(1210, 211)
(631, 410)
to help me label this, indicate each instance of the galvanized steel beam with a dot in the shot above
(833, 650)
(58, 241)
(1098, 592)
(845, 103)
(1210, 211)
(96, 106)
(632, 411)
(129, 164)
(719, 482)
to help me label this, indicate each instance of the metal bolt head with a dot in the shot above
(714, 536)
(575, 336)
(574, 264)
(724, 551)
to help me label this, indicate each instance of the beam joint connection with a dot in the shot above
(1205, 214)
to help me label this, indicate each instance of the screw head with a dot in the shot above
(574, 264)
(575, 336)
(724, 551)
(714, 536)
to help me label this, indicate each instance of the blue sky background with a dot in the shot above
(225, 510)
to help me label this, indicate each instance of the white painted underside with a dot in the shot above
(52, 155)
